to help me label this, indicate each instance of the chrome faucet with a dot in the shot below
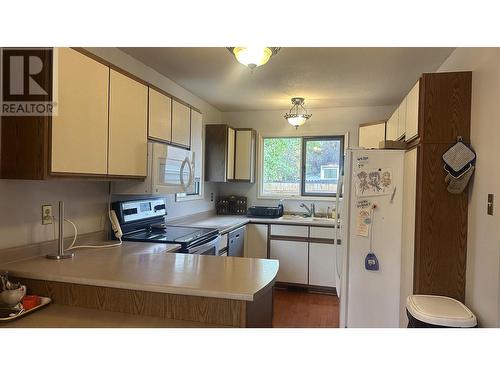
(311, 211)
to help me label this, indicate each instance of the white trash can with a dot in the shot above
(428, 311)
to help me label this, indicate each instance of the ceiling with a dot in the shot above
(326, 77)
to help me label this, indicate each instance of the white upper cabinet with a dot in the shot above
(402, 120)
(181, 124)
(128, 126)
(244, 155)
(160, 116)
(392, 127)
(370, 135)
(80, 128)
(412, 113)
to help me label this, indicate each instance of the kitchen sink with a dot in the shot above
(306, 219)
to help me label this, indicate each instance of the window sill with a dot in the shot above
(297, 198)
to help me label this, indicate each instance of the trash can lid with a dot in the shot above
(440, 310)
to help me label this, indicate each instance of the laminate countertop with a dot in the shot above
(227, 223)
(152, 267)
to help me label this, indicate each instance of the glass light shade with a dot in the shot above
(296, 120)
(252, 56)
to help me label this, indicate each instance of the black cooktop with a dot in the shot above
(186, 236)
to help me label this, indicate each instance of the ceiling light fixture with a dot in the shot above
(253, 56)
(298, 113)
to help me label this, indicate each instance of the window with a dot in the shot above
(307, 166)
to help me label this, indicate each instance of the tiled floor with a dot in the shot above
(300, 309)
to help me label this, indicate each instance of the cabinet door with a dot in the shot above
(197, 142)
(392, 127)
(80, 128)
(230, 153)
(412, 113)
(402, 119)
(244, 155)
(408, 235)
(128, 126)
(322, 264)
(371, 135)
(293, 257)
(160, 116)
(256, 244)
(181, 124)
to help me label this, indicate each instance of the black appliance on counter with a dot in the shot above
(231, 205)
(265, 212)
(143, 220)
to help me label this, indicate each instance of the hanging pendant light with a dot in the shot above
(297, 115)
(253, 56)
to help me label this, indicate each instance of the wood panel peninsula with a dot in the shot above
(148, 280)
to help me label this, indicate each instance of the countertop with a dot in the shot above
(151, 267)
(227, 223)
(61, 316)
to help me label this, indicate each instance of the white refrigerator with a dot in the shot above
(371, 221)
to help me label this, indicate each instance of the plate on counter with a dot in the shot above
(44, 301)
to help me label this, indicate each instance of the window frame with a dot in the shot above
(301, 194)
(340, 138)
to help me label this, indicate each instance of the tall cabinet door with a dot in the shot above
(80, 128)
(408, 235)
(402, 119)
(181, 124)
(160, 116)
(392, 127)
(128, 126)
(244, 155)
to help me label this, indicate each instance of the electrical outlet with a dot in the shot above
(211, 197)
(47, 217)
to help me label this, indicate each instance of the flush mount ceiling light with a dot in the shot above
(298, 113)
(253, 56)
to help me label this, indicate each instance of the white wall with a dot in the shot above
(483, 243)
(20, 201)
(333, 121)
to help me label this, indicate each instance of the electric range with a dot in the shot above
(143, 220)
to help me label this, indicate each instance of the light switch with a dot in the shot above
(490, 204)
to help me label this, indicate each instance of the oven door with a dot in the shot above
(207, 248)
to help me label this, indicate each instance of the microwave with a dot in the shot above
(170, 170)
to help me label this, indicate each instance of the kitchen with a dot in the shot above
(190, 187)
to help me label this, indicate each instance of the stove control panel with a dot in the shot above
(134, 210)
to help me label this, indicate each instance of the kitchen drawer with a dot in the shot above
(322, 232)
(290, 231)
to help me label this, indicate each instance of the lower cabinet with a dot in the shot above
(256, 241)
(293, 257)
(322, 264)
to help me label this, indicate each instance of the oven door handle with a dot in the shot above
(205, 246)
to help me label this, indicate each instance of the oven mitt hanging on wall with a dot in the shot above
(457, 185)
(459, 163)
